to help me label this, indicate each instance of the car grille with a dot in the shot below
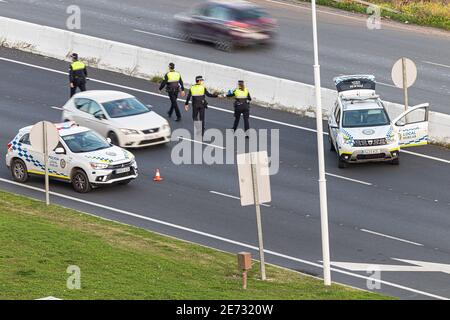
(148, 131)
(121, 165)
(151, 141)
(114, 175)
(369, 142)
(370, 156)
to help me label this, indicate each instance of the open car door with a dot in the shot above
(412, 126)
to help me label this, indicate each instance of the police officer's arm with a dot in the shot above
(71, 77)
(164, 82)
(188, 98)
(231, 94)
(211, 95)
(249, 98)
(181, 84)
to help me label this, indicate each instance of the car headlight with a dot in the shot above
(98, 166)
(165, 127)
(129, 131)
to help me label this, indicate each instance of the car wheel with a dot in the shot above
(332, 148)
(19, 170)
(224, 44)
(114, 138)
(341, 163)
(80, 182)
(395, 161)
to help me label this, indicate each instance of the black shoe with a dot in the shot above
(178, 119)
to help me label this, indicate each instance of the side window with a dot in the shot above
(219, 12)
(416, 116)
(94, 108)
(337, 114)
(82, 104)
(25, 139)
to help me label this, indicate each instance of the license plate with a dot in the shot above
(371, 151)
(123, 170)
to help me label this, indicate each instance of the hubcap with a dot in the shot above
(19, 171)
(80, 182)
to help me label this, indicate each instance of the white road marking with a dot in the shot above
(200, 142)
(158, 35)
(391, 237)
(416, 266)
(223, 239)
(387, 84)
(436, 64)
(349, 179)
(234, 197)
(211, 107)
(57, 108)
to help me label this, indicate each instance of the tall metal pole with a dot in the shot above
(321, 157)
(47, 197)
(258, 216)
(405, 83)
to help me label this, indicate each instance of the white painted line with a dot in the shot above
(425, 156)
(436, 64)
(349, 179)
(234, 197)
(57, 108)
(158, 35)
(391, 237)
(387, 84)
(212, 236)
(211, 107)
(200, 142)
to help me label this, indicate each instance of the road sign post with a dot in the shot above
(254, 186)
(44, 137)
(404, 74)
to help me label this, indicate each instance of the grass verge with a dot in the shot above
(124, 262)
(425, 13)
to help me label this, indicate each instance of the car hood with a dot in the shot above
(110, 155)
(143, 121)
(368, 132)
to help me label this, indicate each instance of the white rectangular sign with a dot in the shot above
(261, 162)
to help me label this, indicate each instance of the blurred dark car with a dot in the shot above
(227, 24)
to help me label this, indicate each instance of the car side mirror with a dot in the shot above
(100, 116)
(60, 151)
(109, 140)
(334, 127)
(149, 106)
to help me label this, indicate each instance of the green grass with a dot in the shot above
(425, 13)
(123, 262)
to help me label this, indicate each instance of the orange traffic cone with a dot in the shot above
(157, 176)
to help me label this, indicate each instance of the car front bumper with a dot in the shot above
(369, 154)
(111, 176)
(144, 140)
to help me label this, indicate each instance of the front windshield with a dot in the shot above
(86, 141)
(124, 108)
(250, 14)
(365, 118)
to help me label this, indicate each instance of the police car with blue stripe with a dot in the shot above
(82, 157)
(361, 130)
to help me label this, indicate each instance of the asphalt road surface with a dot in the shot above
(377, 212)
(347, 46)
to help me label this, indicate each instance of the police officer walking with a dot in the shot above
(173, 83)
(198, 92)
(77, 75)
(241, 105)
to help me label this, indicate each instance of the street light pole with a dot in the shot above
(322, 179)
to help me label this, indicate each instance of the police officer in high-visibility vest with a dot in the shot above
(241, 105)
(77, 75)
(198, 92)
(173, 83)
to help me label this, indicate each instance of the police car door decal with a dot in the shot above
(412, 126)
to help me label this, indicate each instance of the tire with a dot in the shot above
(341, 163)
(80, 182)
(224, 44)
(19, 171)
(395, 161)
(332, 148)
(114, 138)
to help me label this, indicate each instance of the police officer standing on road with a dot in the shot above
(77, 75)
(173, 83)
(241, 105)
(198, 93)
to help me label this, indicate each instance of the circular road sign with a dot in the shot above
(37, 136)
(397, 73)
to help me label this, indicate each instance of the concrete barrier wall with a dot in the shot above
(145, 63)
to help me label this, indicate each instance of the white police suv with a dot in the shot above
(82, 157)
(360, 129)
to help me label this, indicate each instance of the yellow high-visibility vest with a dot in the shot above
(78, 65)
(197, 90)
(173, 76)
(241, 94)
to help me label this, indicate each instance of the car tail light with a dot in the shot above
(9, 147)
(238, 26)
